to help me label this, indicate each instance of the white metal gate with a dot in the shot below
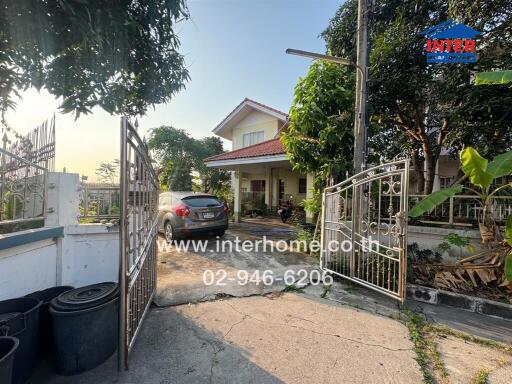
(364, 228)
(138, 235)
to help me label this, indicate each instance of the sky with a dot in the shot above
(233, 49)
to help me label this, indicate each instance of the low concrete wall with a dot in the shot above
(62, 253)
(27, 268)
(431, 237)
(90, 254)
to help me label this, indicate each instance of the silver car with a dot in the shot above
(186, 213)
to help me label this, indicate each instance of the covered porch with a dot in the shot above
(260, 183)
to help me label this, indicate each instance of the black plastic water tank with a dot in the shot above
(8, 346)
(45, 335)
(85, 326)
(20, 318)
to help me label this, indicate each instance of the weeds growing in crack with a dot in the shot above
(427, 354)
(293, 288)
(445, 331)
(481, 377)
(327, 290)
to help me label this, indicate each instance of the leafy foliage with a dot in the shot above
(493, 77)
(180, 155)
(119, 55)
(425, 106)
(180, 176)
(320, 134)
(475, 167)
(434, 199)
(108, 172)
(508, 258)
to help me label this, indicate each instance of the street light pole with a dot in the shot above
(361, 105)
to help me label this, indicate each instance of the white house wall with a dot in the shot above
(255, 122)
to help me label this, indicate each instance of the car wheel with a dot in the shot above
(220, 233)
(169, 232)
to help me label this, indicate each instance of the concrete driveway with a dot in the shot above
(283, 338)
(231, 270)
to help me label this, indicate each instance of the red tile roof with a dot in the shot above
(265, 148)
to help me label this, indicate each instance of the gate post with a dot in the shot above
(322, 230)
(122, 363)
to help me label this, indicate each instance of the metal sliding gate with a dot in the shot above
(364, 228)
(137, 235)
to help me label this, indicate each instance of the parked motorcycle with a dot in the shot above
(285, 210)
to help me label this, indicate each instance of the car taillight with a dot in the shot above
(226, 208)
(181, 210)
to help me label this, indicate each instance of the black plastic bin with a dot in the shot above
(8, 346)
(20, 318)
(45, 336)
(85, 327)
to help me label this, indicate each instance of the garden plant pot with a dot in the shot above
(8, 347)
(85, 327)
(45, 335)
(20, 318)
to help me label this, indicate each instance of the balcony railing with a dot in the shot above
(463, 210)
(99, 202)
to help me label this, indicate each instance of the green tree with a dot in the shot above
(180, 177)
(320, 134)
(174, 148)
(108, 172)
(119, 55)
(430, 105)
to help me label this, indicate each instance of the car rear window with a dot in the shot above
(201, 201)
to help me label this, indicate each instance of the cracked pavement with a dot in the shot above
(280, 338)
(180, 273)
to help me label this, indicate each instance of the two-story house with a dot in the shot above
(261, 172)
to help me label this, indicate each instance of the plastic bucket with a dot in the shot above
(8, 346)
(20, 318)
(45, 336)
(85, 327)
(85, 339)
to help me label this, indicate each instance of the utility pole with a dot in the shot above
(360, 128)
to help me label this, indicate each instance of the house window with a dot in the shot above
(252, 138)
(281, 189)
(257, 185)
(303, 185)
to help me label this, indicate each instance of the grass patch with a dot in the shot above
(427, 353)
(445, 331)
(481, 377)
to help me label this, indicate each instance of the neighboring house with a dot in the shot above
(262, 174)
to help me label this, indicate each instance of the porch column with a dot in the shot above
(268, 187)
(237, 188)
(309, 195)
(275, 188)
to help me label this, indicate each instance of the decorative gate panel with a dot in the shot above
(138, 235)
(364, 228)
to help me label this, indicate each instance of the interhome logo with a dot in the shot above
(450, 42)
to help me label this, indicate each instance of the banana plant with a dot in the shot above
(481, 174)
(508, 241)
